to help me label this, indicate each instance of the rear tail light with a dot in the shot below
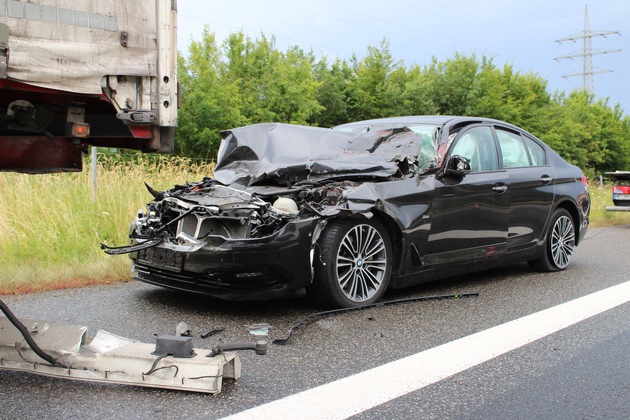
(621, 189)
(584, 181)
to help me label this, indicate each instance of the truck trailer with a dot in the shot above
(75, 73)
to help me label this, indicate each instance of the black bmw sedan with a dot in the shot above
(348, 212)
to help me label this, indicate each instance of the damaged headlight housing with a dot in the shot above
(145, 220)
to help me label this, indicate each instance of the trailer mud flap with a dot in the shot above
(109, 358)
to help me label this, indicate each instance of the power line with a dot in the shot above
(587, 53)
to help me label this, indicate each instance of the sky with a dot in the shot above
(521, 33)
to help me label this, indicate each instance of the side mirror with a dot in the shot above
(458, 166)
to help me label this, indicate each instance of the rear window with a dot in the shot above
(519, 151)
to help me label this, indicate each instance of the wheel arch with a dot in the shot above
(388, 222)
(573, 210)
(395, 237)
(334, 231)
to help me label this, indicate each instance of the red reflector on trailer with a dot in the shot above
(80, 130)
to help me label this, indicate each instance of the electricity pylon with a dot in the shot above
(587, 53)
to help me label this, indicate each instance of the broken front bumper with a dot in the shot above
(235, 269)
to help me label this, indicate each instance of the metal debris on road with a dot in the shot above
(182, 329)
(213, 331)
(259, 329)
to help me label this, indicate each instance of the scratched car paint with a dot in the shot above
(349, 212)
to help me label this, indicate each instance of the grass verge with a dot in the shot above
(50, 228)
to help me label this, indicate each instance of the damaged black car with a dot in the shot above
(348, 212)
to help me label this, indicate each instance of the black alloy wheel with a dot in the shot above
(559, 244)
(353, 263)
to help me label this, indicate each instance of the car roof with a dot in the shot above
(427, 119)
(412, 119)
(442, 120)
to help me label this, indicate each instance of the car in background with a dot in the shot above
(349, 212)
(620, 191)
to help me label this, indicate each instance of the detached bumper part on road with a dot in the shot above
(113, 359)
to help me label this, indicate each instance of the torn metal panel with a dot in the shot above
(113, 359)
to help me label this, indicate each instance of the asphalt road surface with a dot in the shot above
(524, 348)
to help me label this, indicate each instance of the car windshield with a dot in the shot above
(430, 154)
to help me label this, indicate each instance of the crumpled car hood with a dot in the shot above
(282, 153)
(213, 194)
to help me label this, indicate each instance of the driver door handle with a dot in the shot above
(499, 188)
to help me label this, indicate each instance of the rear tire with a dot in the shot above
(352, 264)
(559, 244)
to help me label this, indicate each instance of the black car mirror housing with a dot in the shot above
(458, 166)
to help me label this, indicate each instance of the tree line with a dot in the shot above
(245, 81)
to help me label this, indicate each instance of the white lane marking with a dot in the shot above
(360, 392)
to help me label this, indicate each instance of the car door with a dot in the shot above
(532, 187)
(470, 213)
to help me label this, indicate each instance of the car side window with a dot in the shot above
(513, 150)
(536, 152)
(478, 146)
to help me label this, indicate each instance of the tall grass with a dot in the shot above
(50, 229)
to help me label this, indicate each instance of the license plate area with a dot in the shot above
(161, 258)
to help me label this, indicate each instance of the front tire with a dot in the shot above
(559, 244)
(353, 263)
